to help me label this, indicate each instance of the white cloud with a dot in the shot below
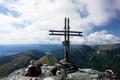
(102, 37)
(49, 14)
(112, 8)
(79, 40)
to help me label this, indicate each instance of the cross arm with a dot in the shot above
(62, 33)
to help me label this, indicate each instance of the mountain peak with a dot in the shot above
(47, 59)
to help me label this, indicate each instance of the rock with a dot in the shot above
(81, 74)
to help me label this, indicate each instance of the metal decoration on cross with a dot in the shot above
(66, 33)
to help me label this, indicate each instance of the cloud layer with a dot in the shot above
(102, 37)
(28, 21)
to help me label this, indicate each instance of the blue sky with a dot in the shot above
(112, 26)
(6, 11)
(28, 21)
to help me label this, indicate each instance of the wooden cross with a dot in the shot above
(66, 33)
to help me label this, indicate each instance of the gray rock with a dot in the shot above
(82, 74)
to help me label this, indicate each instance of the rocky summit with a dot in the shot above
(81, 74)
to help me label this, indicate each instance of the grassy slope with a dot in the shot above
(48, 59)
(18, 61)
(107, 58)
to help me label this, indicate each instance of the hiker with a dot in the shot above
(39, 71)
(54, 70)
(32, 69)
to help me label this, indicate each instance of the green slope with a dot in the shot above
(18, 61)
(105, 57)
(48, 59)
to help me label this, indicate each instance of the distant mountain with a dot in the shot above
(77, 53)
(10, 63)
(47, 59)
(6, 50)
(99, 57)
(105, 57)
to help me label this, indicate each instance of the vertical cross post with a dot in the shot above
(66, 42)
(65, 39)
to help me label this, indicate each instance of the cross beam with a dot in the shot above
(61, 33)
(66, 33)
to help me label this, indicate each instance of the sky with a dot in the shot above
(28, 21)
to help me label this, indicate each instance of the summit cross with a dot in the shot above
(66, 33)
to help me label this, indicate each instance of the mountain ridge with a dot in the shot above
(84, 56)
(18, 61)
